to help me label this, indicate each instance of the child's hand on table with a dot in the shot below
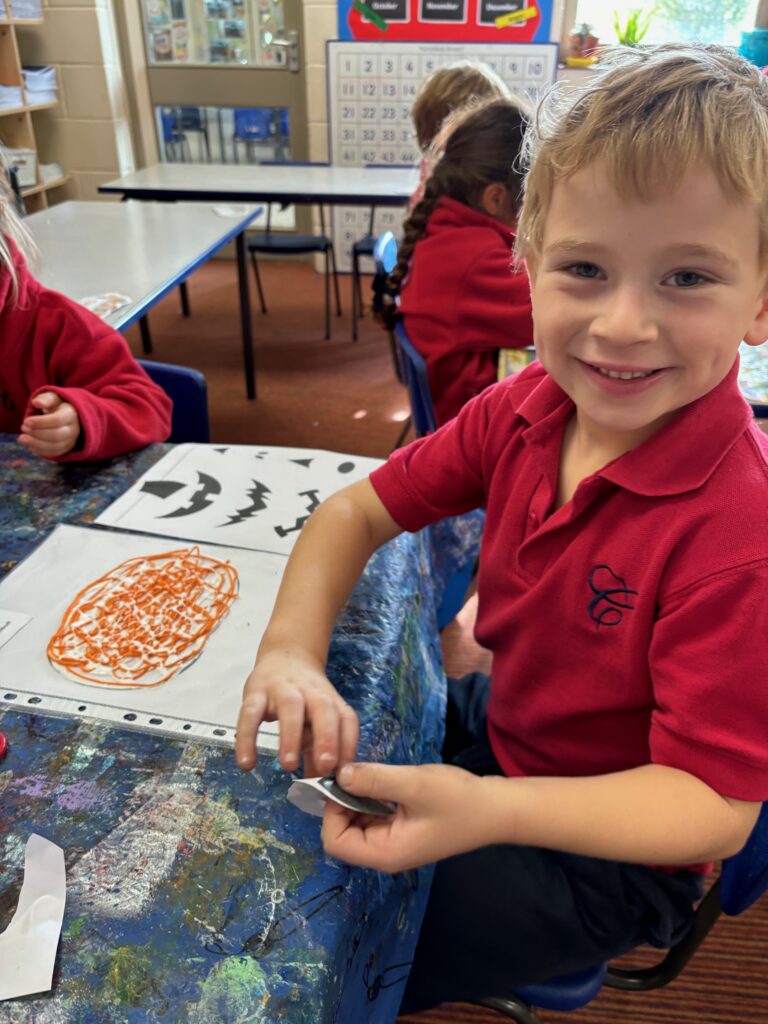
(289, 686)
(441, 811)
(55, 431)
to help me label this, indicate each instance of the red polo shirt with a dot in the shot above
(629, 626)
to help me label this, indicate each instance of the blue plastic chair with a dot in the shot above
(175, 142)
(252, 125)
(743, 879)
(188, 390)
(414, 375)
(384, 259)
(285, 244)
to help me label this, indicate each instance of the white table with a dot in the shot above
(141, 250)
(291, 183)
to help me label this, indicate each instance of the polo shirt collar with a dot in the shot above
(678, 458)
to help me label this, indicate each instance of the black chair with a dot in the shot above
(193, 119)
(743, 879)
(284, 244)
(362, 247)
(188, 390)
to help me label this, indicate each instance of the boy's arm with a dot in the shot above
(288, 682)
(648, 815)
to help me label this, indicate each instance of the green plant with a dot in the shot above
(637, 24)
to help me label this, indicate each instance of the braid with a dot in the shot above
(414, 228)
(483, 148)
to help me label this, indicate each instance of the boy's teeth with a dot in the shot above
(624, 374)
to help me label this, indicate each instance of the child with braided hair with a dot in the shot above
(459, 294)
(450, 88)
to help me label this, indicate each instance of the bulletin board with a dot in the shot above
(466, 21)
(371, 89)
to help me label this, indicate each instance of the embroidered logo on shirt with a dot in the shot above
(605, 608)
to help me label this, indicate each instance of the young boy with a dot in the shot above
(624, 571)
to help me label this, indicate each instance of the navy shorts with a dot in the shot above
(505, 916)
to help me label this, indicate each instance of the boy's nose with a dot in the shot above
(625, 317)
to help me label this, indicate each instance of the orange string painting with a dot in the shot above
(144, 621)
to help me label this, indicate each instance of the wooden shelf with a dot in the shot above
(18, 124)
(44, 186)
(7, 111)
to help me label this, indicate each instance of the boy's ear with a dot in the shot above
(757, 332)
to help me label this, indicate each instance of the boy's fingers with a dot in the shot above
(290, 713)
(323, 713)
(248, 721)
(386, 782)
(350, 733)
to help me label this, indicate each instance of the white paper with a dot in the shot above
(240, 495)
(10, 624)
(28, 945)
(202, 701)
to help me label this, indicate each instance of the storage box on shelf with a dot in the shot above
(23, 91)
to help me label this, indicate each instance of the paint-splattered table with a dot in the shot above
(195, 893)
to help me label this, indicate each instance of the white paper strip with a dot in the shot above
(28, 945)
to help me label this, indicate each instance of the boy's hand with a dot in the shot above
(441, 812)
(55, 431)
(291, 687)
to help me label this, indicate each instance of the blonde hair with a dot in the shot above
(650, 114)
(12, 229)
(449, 88)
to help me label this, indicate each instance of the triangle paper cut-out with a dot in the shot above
(162, 488)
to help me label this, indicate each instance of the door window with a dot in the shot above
(214, 32)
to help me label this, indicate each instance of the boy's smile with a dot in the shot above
(639, 305)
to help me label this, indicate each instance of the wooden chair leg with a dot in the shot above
(258, 282)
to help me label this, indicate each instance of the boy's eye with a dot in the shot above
(586, 270)
(686, 279)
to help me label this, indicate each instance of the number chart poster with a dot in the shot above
(371, 89)
(456, 21)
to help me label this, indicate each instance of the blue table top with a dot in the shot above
(197, 892)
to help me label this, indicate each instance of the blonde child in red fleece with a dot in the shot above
(68, 382)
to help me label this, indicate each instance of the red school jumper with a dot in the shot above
(50, 343)
(462, 302)
(629, 626)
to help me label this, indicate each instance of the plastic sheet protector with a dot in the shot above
(143, 632)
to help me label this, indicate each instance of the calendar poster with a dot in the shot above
(459, 21)
(371, 89)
